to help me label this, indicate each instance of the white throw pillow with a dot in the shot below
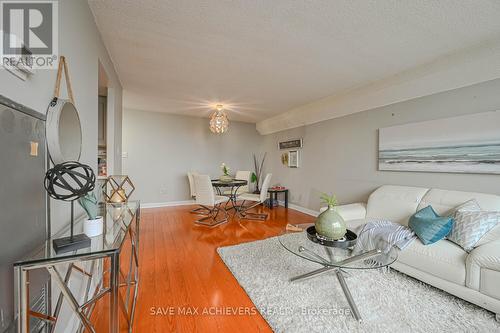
(468, 206)
(470, 226)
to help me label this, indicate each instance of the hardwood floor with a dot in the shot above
(181, 272)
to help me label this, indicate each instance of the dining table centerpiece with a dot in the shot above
(226, 177)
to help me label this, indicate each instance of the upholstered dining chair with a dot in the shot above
(206, 198)
(192, 189)
(241, 175)
(258, 199)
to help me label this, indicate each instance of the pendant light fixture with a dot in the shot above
(218, 120)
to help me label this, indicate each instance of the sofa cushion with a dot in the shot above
(429, 226)
(443, 259)
(444, 201)
(490, 236)
(394, 203)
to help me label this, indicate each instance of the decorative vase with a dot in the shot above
(330, 225)
(93, 227)
(226, 178)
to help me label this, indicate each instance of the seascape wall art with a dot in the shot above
(464, 144)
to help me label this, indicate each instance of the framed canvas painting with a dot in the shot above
(464, 144)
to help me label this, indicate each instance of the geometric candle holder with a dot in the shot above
(118, 188)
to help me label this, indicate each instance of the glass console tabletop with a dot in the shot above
(121, 223)
(117, 219)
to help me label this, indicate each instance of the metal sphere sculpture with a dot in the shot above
(69, 181)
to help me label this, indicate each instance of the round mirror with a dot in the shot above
(64, 132)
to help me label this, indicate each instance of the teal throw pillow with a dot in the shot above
(429, 226)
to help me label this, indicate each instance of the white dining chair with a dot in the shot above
(241, 175)
(192, 190)
(257, 199)
(209, 201)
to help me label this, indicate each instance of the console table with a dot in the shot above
(99, 266)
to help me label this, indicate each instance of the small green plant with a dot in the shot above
(224, 169)
(330, 200)
(90, 204)
(253, 177)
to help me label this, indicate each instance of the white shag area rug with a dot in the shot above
(388, 301)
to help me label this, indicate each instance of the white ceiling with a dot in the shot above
(263, 58)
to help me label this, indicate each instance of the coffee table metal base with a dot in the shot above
(343, 285)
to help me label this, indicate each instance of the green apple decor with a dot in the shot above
(329, 224)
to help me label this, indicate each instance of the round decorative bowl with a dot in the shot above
(349, 240)
(226, 178)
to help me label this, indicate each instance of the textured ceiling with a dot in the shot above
(265, 57)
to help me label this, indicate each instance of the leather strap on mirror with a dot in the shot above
(62, 65)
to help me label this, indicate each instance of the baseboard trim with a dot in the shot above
(167, 204)
(300, 208)
(192, 202)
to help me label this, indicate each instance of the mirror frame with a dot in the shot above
(52, 130)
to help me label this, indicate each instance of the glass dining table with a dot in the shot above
(233, 187)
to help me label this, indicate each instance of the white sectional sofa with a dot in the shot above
(473, 276)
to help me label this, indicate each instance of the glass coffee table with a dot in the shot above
(337, 257)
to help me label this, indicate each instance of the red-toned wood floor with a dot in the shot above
(181, 272)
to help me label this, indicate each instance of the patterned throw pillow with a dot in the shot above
(429, 226)
(469, 227)
(468, 206)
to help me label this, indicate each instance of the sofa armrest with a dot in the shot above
(483, 269)
(355, 211)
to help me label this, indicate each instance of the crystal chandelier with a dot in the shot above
(218, 120)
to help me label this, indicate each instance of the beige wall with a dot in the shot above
(161, 148)
(340, 155)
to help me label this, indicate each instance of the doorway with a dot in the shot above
(102, 126)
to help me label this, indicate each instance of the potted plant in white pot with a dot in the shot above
(93, 226)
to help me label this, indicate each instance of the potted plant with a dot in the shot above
(93, 226)
(329, 224)
(258, 171)
(253, 180)
(225, 173)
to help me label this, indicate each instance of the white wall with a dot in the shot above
(162, 148)
(80, 42)
(340, 155)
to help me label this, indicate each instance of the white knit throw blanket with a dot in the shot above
(383, 234)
